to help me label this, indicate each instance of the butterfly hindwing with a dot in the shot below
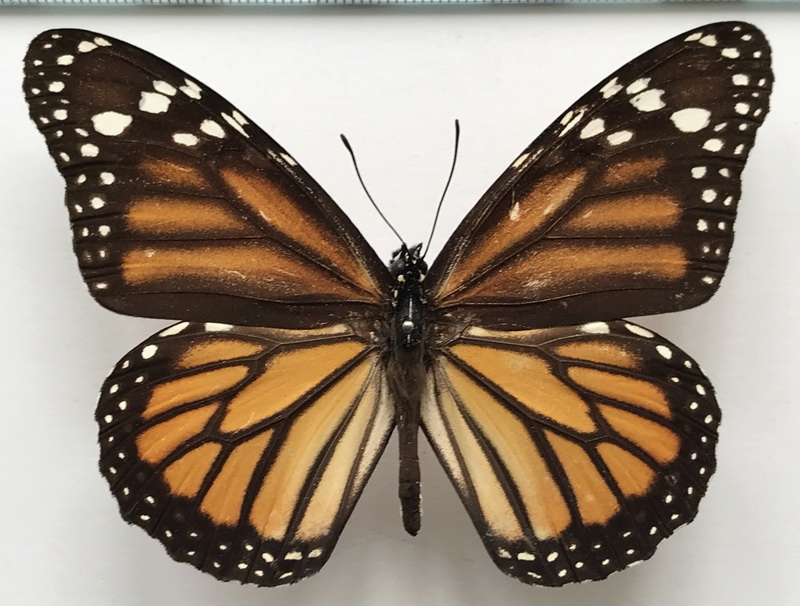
(244, 450)
(575, 450)
(625, 205)
(181, 207)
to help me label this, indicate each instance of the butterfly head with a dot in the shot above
(407, 265)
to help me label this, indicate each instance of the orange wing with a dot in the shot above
(244, 450)
(575, 450)
(180, 206)
(625, 205)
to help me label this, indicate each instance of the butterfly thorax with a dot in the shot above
(408, 270)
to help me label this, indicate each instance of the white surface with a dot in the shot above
(393, 81)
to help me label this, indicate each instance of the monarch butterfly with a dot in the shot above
(241, 437)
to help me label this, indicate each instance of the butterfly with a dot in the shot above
(242, 436)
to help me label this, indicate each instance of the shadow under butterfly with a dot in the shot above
(241, 438)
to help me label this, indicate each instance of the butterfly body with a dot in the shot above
(242, 436)
(406, 370)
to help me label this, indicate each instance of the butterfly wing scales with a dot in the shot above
(625, 205)
(575, 450)
(244, 450)
(181, 207)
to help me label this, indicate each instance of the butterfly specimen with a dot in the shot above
(241, 437)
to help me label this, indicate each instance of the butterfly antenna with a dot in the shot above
(366, 191)
(444, 193)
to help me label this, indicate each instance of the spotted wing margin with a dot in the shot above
(575, 450)
(181, 207)
(625, 205)
(244, 450)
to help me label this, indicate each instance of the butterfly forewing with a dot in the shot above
(181, 207)
(575, 450)
(625, 205)
(244, 450)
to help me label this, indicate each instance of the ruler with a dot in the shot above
(352, 2)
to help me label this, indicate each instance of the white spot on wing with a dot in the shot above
(230, 120)
(664, 351)
(148, 351)
(710, 40)
(174, 329)
(191, 89)
(212, 128)
(187, 139)
(86, 46)
(154, 103)
(596, 328)
(638, 86)
(620, 137)
(89, 150)
(639, 330)
(572, 118)
(519, 161)
(691, 119)
(65, 59)
(594, 127)
(111, 124)
(164, 88)
(610, 88)
(649, 100)
(700, 389)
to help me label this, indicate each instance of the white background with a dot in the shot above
(393, 81)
